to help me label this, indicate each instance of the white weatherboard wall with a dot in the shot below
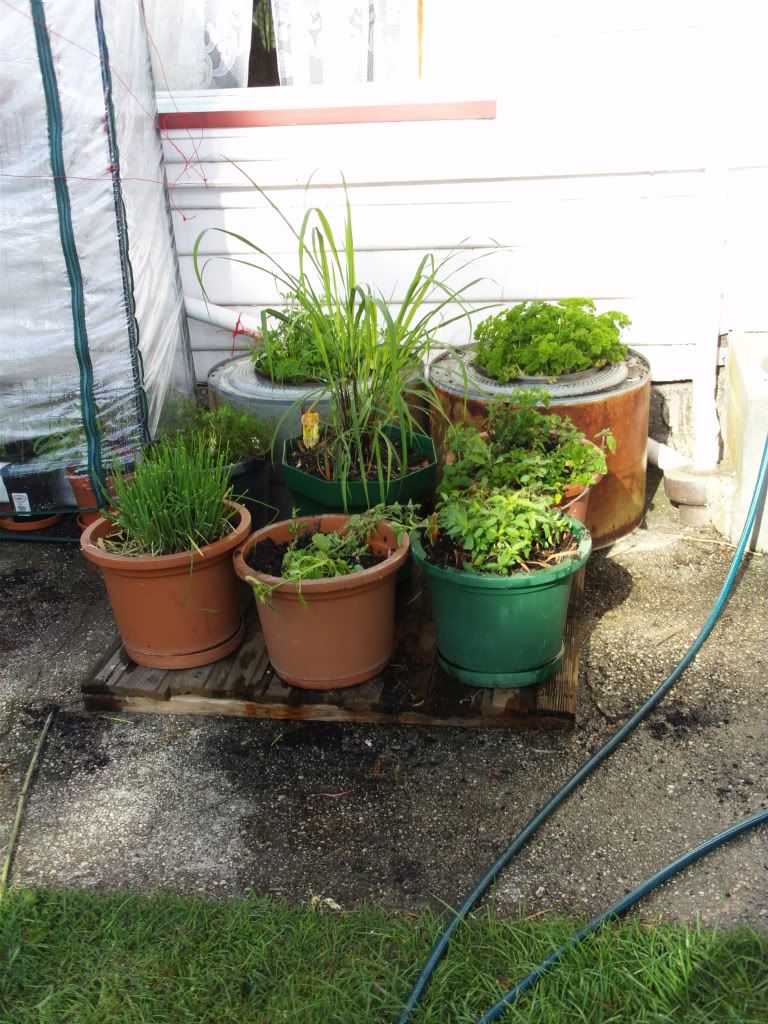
(627, 163)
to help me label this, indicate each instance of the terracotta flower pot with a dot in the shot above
(85, 498)
(344, 632)
(174, 611)
(575, 500)
(25, 524)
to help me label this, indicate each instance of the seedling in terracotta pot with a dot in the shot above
(313, 555)
(524, 447)
(325, 593)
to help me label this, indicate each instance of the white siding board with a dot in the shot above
(445, 226)
(578, 268)
(627, 185)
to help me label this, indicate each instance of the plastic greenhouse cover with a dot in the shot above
(93, 335)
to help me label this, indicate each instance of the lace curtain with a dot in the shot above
(199, 44)
(343, 42)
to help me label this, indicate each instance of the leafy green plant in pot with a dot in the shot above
(500, 565)
(325, 592)
(371, 353)
(545, 339)
(525, 447)
(236, 437)
(166, 556)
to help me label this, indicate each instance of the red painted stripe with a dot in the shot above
(459, 111)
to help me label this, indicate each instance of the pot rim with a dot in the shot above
(245, 464)
(149, 563)
(488, 581)
(351, 581)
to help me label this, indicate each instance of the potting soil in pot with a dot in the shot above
(448, 553)
(267, 556)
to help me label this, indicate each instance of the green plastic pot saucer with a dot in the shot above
(504, 680)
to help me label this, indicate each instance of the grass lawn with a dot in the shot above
(84, 958)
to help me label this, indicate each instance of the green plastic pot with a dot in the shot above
(313, 496)
(502, 631)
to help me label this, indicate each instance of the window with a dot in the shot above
(316, 61)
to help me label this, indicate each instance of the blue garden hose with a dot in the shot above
(622, 906)
(493, 872)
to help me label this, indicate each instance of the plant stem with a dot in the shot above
(20, 806)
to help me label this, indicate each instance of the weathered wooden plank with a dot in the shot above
(134, 680)
(412, 690)
(191, 680)
(558, 694)
(192, 705)
(246, 665)
(105, 668)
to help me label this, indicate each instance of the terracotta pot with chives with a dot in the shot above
(166, 557)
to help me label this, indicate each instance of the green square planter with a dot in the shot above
(313, 496)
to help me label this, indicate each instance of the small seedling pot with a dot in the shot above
(30, 489)
(174, 611)
(313, 495)
(342, 633)
(502, 631)
(575, 500)
(85, 497)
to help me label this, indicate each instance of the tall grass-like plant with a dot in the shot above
(174, 502)
(372, 351)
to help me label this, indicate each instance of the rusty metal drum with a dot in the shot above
(617, 397)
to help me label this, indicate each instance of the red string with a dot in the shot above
(238, 330)
(189, 163)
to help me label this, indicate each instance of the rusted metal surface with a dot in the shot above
(616, 503)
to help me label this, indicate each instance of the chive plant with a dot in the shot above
(371, 351)
(174, 502)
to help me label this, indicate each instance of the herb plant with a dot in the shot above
(174, 502)
(287, 354)
(337, 553)
(498, 531)
(233, 434)
(542, 338)
(524, 448)
(371, 351)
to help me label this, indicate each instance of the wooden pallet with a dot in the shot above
(412, 690)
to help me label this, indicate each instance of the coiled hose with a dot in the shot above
(522, 837)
